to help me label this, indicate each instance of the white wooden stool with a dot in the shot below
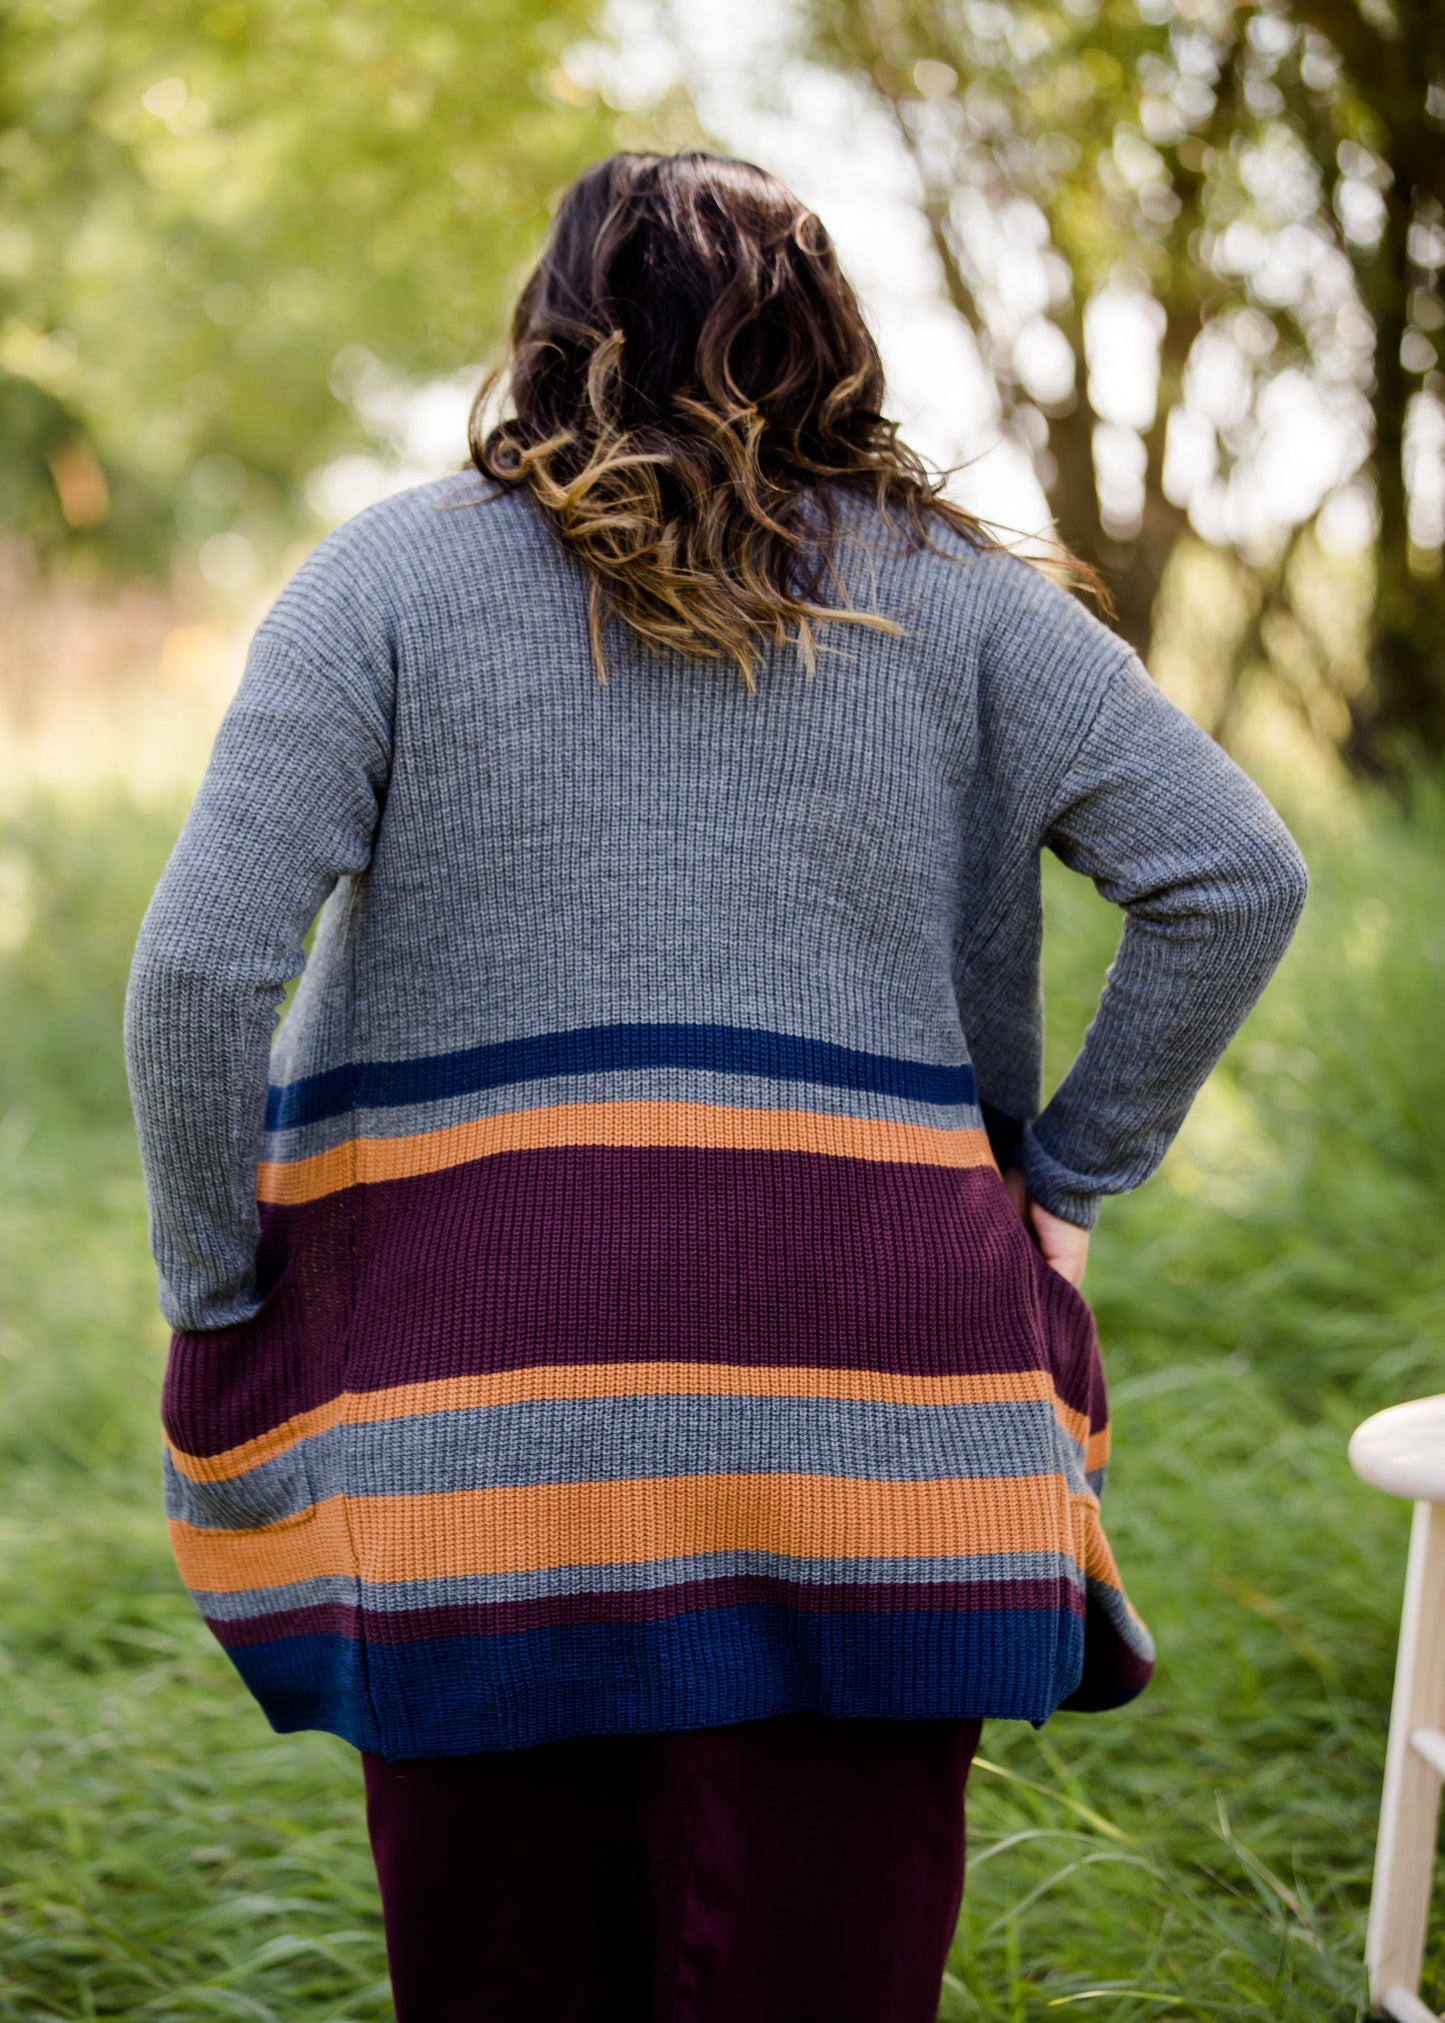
(1402, 1451)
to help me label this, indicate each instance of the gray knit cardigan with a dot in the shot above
(600, 1307)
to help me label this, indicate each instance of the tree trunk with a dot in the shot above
(1402, 710)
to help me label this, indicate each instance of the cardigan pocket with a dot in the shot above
(236, 1448)
(274, 1494)
(1070, 1340)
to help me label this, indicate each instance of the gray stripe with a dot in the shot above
(279, 1488)
(225, 1607)
(624, 1439)
(622, 1085)
(575, 1440)
(639, 1577)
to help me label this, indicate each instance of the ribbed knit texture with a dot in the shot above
(601, 1309)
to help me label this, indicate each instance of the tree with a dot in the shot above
(1268, 183)
(201, 207)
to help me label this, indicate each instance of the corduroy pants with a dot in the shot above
(793, 1870)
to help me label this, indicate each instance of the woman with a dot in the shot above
(629, 1376)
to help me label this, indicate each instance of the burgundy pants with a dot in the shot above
(794, 1870)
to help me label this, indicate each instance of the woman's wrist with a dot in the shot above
(1064, 1245)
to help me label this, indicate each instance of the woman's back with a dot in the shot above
(641, 1334)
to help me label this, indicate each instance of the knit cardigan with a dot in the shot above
(600, 1308)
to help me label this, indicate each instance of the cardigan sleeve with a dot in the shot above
(1211, 883)
(289, 804)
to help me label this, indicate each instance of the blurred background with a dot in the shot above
(1163, 276)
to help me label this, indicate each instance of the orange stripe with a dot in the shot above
(635, 1380)
(1098, 1558)
(494, 1531)
(308, 1546)
(730, 1380)
(1096, 1449)
(712, 1125)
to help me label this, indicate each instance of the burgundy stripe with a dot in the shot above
(607, 1253)
(649, 1605)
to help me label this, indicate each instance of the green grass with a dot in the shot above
(1203, 1853)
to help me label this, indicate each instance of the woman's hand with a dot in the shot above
(1065, 1246)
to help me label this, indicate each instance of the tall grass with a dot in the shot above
(1204, 1853)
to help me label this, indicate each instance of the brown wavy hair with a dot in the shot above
(693, 387)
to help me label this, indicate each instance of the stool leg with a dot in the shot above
(1410, 1805)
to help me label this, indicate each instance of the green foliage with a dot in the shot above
(1203, 1853)
(163, 1854)
(1267, 178)
(206, 206)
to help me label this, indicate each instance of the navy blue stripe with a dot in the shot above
(737, 1050)
(452, 1696)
